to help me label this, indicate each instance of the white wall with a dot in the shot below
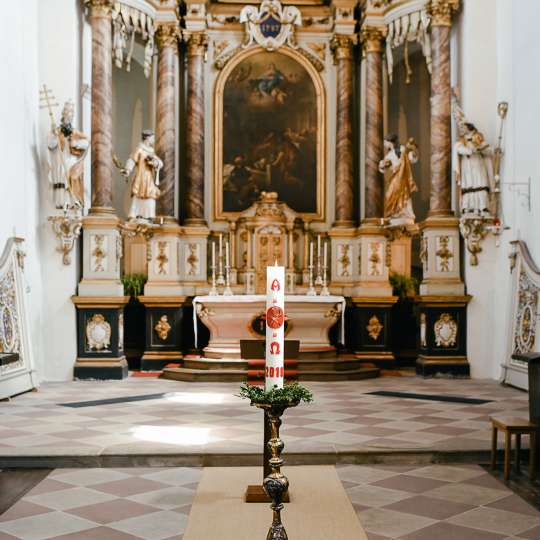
(19, 203)
(497, 61)
(40, 44)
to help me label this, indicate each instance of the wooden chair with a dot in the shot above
(518, 427)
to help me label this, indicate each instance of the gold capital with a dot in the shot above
(197, 44)
(99, 8)
(167, 35)
(441, 12)
(342, 47)
(372, 39)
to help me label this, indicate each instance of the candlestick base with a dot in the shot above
(227, 291)
(311, 291)
(213, 291)
(324, 291)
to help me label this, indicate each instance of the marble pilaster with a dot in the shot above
(100, 12)
(167, 42)
(372, 41)
(440, 234)
(342, 47)
(196, 52)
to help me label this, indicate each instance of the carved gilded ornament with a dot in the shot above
(441, 12)
(341, 47)
(163, 328)
(99, 252)
(317, 64)
(167, 36)
(66, 229)
(98, 333)
(121, 330)
(270, 25)
(99, 8)
(193, 259)
(197, 44)
(375, 259)
(374, 328)
(424, 252)
(372, 39)
(444, 254)
(445, 330)
(9, 334)
(162, 258)
(344, 260)
(220, 47)
(203, 312)
(318, 48)
(473, 230)
(526, 316)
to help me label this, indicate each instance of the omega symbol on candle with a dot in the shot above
(275, 317)
(275, 285)
(274, 347)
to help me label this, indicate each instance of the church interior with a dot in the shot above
(269, 269)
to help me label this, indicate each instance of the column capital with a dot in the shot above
(99, 8)
(372, 38)
(441, 11)
(341, 46)
(197, 44)
(167, 35)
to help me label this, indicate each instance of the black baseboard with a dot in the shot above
(101, 373)
(156, 364)
(446, 368)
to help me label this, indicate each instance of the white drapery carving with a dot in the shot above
(128, 21)
(408, 28)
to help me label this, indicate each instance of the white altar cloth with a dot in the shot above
(252, 298)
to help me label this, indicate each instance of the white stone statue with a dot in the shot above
(473, 167)
(67, 150)
(144, 187)
(399, 184)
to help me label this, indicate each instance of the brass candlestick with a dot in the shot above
(276, 483)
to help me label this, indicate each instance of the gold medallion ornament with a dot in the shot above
(163, 328)
(445, 330)
(98, 333)
(374, 328)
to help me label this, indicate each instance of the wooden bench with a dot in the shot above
(518, 427)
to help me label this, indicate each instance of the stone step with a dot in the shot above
(239, 375)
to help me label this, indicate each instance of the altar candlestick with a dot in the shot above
(275, 324)
(311, 254)
(318, 248)
(220, 246)
(325, 254)
(227, 254)
(213, 255)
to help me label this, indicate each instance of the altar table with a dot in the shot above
(230, 319)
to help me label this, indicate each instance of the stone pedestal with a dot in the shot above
(373, 275)
(163, 331)
(193, 260)
(442, 335)
(102, 252)
(164, 261)
(100, 337)
(369, 329)
(440, 255)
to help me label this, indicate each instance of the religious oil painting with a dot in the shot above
(270, 134)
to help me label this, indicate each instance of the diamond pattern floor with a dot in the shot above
(439, 502)
(199, 418)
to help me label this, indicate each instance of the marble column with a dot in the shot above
(196, 51)
(372, 40)
(440, 203)
(342, 47)
(101, 141)
(167, 42)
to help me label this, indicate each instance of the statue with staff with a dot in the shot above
(67, 149)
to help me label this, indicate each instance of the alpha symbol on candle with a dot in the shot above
(275, 317)
(275, 285)
(274, 347)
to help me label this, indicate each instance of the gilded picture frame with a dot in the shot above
(318, 213)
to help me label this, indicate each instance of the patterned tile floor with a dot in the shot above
(438, 502)
(199, 418)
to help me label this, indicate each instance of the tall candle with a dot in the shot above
(220, 256)
(325, 266)
(275, 325)
(311, 254)
(318, 249)
(227, 253)
(213, 255)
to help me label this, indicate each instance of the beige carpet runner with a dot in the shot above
(319, 507)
